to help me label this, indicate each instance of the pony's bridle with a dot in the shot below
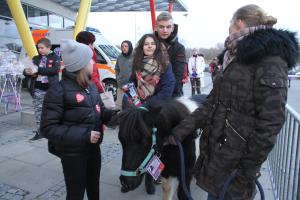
(142, 168)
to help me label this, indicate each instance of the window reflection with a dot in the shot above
(55, 21)
(9, 35)
(68, 22)
(110, 51)
(37, 16)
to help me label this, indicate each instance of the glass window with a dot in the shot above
(110, 51)
(9, 35)
(100, 58)
(37, 16)
(56, 21)
(4, 9)
(68, 22)
(25, 10)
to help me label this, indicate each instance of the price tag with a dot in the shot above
(155, 167)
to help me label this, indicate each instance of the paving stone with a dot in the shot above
(8, 192)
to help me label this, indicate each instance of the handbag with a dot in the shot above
(108, 99)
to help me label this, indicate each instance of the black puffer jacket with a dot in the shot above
(69, 115)
(243, 113)
(177, 58)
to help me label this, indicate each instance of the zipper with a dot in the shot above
(229, 125)
(90, 97)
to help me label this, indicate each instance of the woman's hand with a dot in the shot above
(95, 135)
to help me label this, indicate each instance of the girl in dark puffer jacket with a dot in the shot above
(72, 119)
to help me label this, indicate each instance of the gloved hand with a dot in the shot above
(115, 112)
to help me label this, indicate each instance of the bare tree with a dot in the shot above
(209, 53)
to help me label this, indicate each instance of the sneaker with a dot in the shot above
(37, 136)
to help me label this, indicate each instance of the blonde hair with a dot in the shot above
(164, 16)
(82, 77)
(253, 15)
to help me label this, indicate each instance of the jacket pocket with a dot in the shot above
(238, 127)
(273, 82)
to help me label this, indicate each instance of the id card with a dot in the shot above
(155, 167)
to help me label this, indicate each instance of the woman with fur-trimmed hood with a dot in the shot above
(245, 111)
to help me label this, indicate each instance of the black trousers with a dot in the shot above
(196, 84)
(82, 173)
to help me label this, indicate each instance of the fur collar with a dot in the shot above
(270, 42)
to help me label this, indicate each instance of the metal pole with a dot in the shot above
(82, 15)
(153, 17)
(17, 12)
(170, 7)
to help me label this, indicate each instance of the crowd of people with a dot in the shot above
(240, 118)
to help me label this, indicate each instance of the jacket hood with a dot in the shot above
(269, 42)
(173, 37)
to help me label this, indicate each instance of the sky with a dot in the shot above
(203, 26)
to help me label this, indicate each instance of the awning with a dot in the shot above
(124, 5)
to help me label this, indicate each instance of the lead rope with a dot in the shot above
(182, 172)
(230, 179)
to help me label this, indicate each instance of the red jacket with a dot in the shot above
(96, 75)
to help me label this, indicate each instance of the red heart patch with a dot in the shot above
(98, 108)
(79, 97)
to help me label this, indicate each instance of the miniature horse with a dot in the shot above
(135, 134)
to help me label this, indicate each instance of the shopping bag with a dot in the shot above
(108, 99)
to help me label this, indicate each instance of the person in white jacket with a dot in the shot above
(196, 67)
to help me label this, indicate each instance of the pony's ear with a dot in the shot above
(154, 107)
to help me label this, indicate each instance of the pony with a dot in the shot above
(137, 127)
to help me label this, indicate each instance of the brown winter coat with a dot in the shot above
(243, 113)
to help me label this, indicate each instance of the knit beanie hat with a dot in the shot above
(75, 55)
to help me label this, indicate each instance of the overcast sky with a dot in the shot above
(205, 24)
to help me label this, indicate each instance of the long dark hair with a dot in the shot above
(130, 48)
(160, 54)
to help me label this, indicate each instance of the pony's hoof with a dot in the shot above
(150, 190)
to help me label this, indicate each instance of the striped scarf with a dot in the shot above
(232, 41)
(147, 78)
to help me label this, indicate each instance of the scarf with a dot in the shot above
(147, 78)
(232, 41)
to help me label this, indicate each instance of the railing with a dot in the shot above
(284, 160)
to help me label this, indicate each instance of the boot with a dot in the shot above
(37, 136)
(149, 184)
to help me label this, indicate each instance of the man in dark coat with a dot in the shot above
(166, 31)
(246, 108)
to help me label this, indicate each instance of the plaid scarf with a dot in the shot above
(232, 41)
(148, 77)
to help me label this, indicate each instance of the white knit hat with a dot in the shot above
(75, 55)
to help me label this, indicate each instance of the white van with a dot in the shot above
(106, 52)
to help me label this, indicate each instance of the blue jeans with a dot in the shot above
(210, 197)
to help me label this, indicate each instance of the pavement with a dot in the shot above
(29, 172)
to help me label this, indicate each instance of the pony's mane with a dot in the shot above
(132, 119)
(172, 112)
(163, 115)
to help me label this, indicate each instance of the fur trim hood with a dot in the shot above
(269, 42)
